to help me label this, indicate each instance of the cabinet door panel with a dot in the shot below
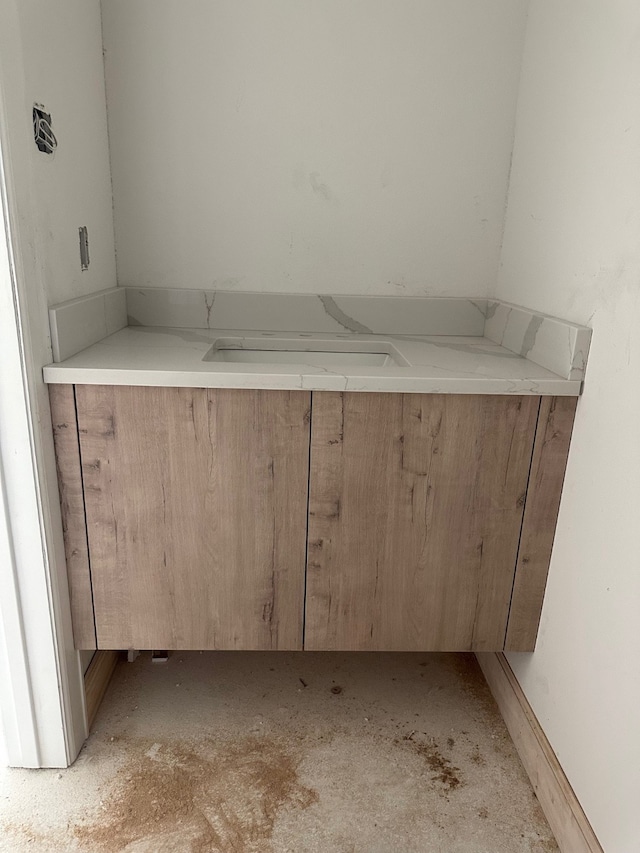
(550, 454)
(416, 507)
(74, 522)
(196, 513)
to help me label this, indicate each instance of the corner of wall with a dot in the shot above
(494, 288)
(106, 101)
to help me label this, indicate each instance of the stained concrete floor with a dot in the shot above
(262, 752)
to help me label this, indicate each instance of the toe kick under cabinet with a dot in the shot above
(238, 519)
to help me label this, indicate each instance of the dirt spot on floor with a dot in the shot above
(483, 813)
(477, 757)
(221, 796)
(443, 771)
(25, 833)
(473, 682)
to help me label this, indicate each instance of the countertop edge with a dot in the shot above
(59, 374)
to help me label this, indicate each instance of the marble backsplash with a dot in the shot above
(552, 343)
(79, 323)
(557, 345)
(285, 312)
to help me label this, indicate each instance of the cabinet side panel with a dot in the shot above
(65, 436)
(416, 506)
(196, 508)
(551, 450)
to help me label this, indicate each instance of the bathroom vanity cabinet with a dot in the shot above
(264, 519)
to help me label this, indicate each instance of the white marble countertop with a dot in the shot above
(160, 356)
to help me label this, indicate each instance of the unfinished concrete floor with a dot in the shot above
(262, 752)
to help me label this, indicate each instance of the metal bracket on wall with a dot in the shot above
(84, 247)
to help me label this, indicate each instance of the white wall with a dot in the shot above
(63, 70)
(572, 248)
(299, 145)
(49, 53)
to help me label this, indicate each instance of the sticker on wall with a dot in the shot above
(42, 130)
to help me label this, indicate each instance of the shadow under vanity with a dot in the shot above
(232, 477)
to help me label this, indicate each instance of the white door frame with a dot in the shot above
(42, 701)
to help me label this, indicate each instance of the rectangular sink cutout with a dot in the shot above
(313, 357)
(311, 352)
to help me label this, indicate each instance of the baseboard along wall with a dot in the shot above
(96, 680)
(562, 809)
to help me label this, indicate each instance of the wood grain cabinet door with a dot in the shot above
(196, 504)
(415, 511)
